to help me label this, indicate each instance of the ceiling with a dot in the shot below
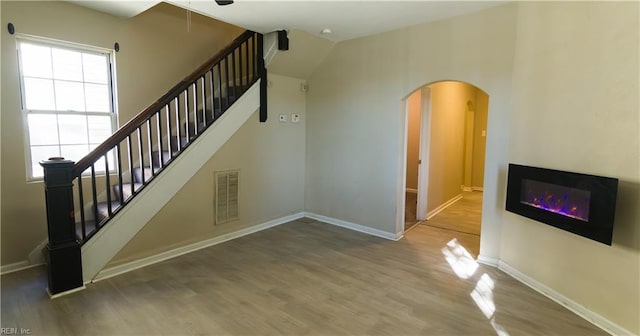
(347, 19)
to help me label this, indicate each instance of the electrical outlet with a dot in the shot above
(295, 118)
(283, 118)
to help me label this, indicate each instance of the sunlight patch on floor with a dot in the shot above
(464, 266)
(459, 259)
(483, 295)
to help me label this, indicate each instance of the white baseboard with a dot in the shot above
(354, 226)
(465, 188)
(136, 264)
(411, 190)
(488, 261)
(19, 266)
(595, 318)
(71, 291)
(443, 206)
(36, 257)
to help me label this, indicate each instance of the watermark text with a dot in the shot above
(15, 331)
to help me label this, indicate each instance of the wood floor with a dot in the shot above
(464, 215)
(300, 278)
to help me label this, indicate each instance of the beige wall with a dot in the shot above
(270, 157)
(576, 108)
(305, 53)
(564, 96)
(156, 52)
(447, 140)
(413, 138)
(354, 142)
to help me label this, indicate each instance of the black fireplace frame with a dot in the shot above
(602, 205)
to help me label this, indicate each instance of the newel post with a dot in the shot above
(64, 263)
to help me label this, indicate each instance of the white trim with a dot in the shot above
(71, 291)
(477, 189)
(15, 267)
(411, 190)
(465, 188)
(443, 206)
(591, 316)
(140, 263)
(36, 257)
(424, 152)
(493, 262)
(270, 47)
(401, 183)
(355, 227)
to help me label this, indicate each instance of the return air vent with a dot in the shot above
(226, 196)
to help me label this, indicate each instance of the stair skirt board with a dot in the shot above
(108, 241)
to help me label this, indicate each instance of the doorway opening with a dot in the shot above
(445, 137)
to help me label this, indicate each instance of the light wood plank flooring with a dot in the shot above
(464, 215)
(300, 278)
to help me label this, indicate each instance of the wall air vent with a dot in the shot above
(226, 196)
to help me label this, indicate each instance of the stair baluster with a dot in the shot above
(149, 149)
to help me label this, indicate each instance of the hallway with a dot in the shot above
(463, 218)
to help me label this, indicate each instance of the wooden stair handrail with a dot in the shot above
(129, 127)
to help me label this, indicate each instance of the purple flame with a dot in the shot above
(558, 199)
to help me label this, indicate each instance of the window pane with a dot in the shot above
(43, 129)
(73, 129)
(41, 153)
(95, 68)
(74, 153)
(100, 163)
(67, 101)
(99, 128)
(67, 64)
(39, 94)
(97, 96)
(35, 60)
(69, 96)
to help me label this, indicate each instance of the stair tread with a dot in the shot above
(89, 225)
(126, 187)
(137, 173)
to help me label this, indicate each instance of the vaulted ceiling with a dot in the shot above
(346, 19)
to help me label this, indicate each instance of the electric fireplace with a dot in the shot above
(578, 203)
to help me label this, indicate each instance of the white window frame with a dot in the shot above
(113, 114)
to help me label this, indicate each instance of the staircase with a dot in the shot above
(122, 193)
(96, 205)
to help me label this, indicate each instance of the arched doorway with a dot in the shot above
(445, 133)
